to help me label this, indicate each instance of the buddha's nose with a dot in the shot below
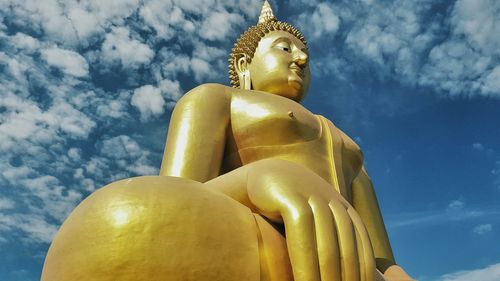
(300, 57)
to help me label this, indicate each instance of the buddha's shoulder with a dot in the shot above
(210, 93)
(222, 95)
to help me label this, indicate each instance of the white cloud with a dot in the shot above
(482, 229)
(465, 63)
(208, 53)
(19, 121)
(47, 15)
(453, 66)
(205, 7)
(322, 22)
(69, 120)
(67, 61)
(387, 35)
(153, 13)
(70, 22)
(34, 127)
(201, 68)
(89, 18)
(120, 47)
(208, 63)
(374, 43)
(13, 174)
(198, 25)
(196, 6)
(42, 196)
(405, 40)
(456, 204)
(126, 155)
(23, 120)
(6, 204)
(25, 42)
(121, 147)
(490, 273)
(174, 63)
(34, 228)
(97, 167)
(492, 82)
(385, 30)
(478, 146)
(144, 169)
(479, 21)
(75, 154)
(219, 24)
(56, 200)
(149, 101)
(16, 68)
(114, 8)
(3, 27)
(170, 89)
(88, 184)
(114, 108)
(454, 212)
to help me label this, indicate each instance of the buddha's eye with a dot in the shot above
(284, 46)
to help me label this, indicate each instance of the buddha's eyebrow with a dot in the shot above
(282, 39)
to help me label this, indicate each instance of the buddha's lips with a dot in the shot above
(297, 70)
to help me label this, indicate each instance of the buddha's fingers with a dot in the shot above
(366, 256)
(301, 242)
(347, 242)
(326, 240)
(361, 259)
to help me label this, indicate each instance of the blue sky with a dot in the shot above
(87, 88)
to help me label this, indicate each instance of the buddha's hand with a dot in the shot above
(325, 236)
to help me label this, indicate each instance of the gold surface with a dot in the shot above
(252, 186)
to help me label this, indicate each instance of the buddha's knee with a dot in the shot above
(155, 228)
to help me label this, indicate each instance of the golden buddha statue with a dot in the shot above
(252, 186)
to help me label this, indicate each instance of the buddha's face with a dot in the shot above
(280, 66)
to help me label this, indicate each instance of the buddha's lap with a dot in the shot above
(165, 228)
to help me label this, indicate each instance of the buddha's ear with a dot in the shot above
(241, 66)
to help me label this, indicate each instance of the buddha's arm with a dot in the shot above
(365, 203)
(197, 133)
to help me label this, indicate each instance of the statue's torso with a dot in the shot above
(270, 126)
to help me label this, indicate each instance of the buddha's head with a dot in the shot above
(271, 57)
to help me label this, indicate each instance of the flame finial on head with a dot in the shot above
(266, 14)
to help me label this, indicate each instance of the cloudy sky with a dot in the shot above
(87, 88)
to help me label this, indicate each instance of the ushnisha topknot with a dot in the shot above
(249, 40)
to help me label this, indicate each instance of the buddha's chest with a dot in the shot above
(260, 119)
